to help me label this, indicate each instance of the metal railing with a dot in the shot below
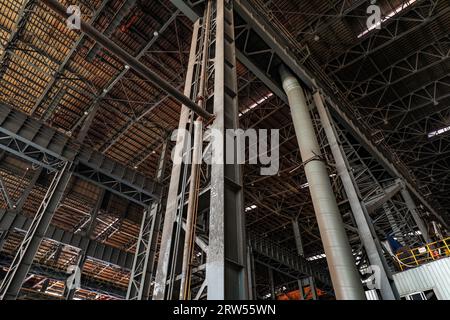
(412, 258)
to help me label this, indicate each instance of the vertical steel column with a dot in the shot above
(144, 259)
(89, 230)
(312, 287)
(366, 233)
(252, 294)
(344, 275)
(298, 237)
(197, 155)
(10, 287)
(415, 214)
(172, 197)
(191, 219)
(226, 272)
(271, 283)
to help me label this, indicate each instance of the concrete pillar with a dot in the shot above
(366, 233)
(344, 275)
(415, 214)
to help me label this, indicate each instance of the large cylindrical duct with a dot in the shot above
(344, 275)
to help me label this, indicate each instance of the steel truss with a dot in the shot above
(11, 284)
(409, 20)
(142, 272)
(37, 143)
(225, 274)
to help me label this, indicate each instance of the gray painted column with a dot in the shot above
(226, 261)
(298, 237)
(159, 291)
(344, 275)
(252, 294)
(415, 214)
(366, 234)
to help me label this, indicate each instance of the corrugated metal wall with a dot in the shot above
(434, 275)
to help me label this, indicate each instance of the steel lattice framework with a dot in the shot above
(64, 98)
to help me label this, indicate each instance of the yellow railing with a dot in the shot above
(430, 252)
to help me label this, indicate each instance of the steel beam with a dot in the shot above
(298, 237)
(272, 44)
(226, 272)
(172, 206)
(142, 272)
(14, 221)
(35, 142)
(65, 62)
(366, 233)
(10, 287)
(87, 231)
(415, 214)
(379, 200)
(129, 60)
(5, 194)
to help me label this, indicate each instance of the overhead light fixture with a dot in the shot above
(438, 132)
(316, 257)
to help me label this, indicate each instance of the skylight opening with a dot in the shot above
(392, 14)
(438, 132)
(256, 104)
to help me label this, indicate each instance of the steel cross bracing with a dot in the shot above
(287, 259)
(247, 18)
(26, 9)
(370, 177)
(35, 142)
(225, 269)
(142, 272)
(58, 73)
(426, 57)
(406, 22)
(5, 194)
(23, 260)
(138, 118)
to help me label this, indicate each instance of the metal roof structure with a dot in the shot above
(65, 97)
